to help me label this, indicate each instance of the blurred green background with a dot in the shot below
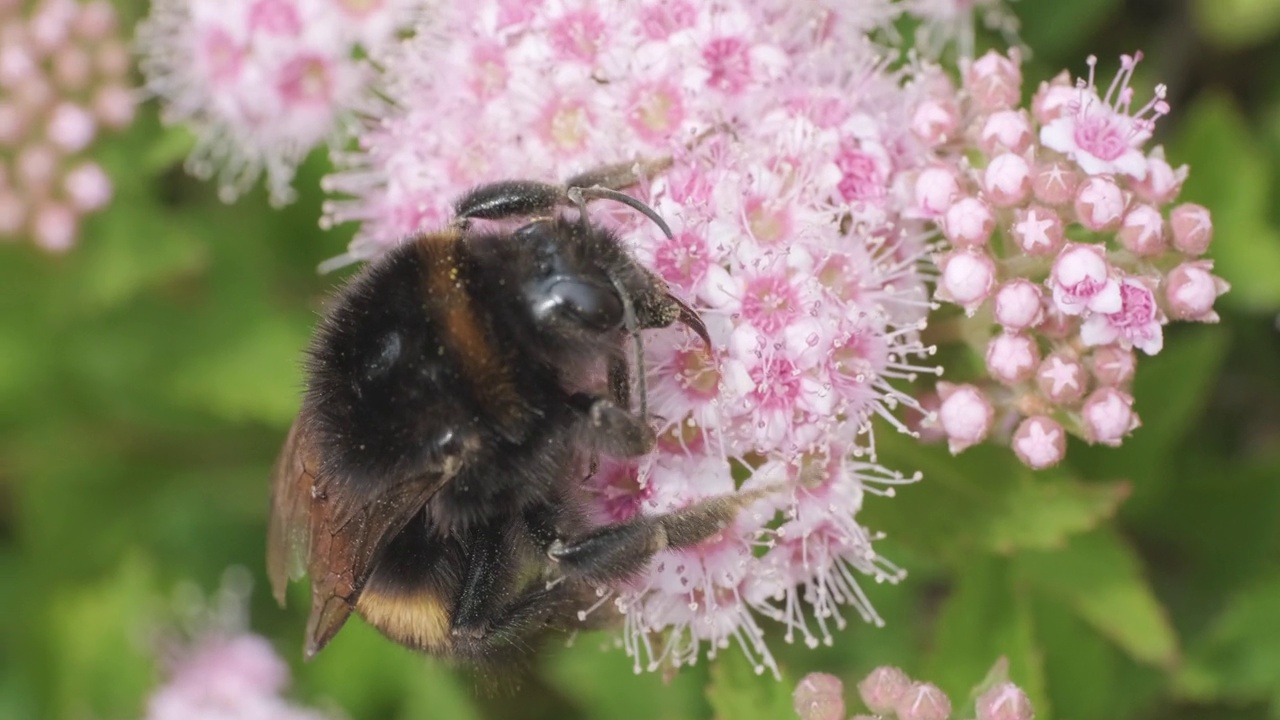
(148, 376)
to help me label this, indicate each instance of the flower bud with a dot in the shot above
(935, 121)
(1113, 365)
(1162, 183)
(994, 81)
(1191, 289)
(936, 188)
(1192, 228)
(1142, 232)
(1055, 183)
(1012, 357)
(1061, 379)
(1054, 98)
(54, 226)
(883, 688)
(1081, 280)
(1108, 416)
(1019, 305)
(1005, 130)
(1007, 180)
(1038, 231)
(923, 701)
(968, 223)
(1099, 204)
(1039, 442)
(967, 278)
(965, 415)
(1004, 701)
(819, 696)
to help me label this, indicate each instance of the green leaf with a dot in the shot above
(1239, 658)
(985, 500)
(1100, 578)
(987, 616)
(256, 376)
(1236, 23)
(1230, 176)
(103, 671)
(1052, 28)
(741, 690)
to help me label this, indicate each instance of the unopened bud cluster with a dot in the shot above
(63, 78)
(1066, 243)
(889, 693)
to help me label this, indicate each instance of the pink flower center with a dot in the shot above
(305, 79)
(577, 35)
(222, 55)
(683, 260)
(659, 21)
(1138, 307)
(567, 125)
(697, 373)
(656, 111)
(777, 385)
(861, 178)
(769, 222)
(1100, 135)
(769, 303)
(275, 17)
(729, 62)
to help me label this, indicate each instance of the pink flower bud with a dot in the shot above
(1113, 365)
(1055, 183)
(1191, 289)
(965, 415)
(967, 278)
(883, 688)
(95, 21)
(36, 167)
(71, 127)
(1019, 305)
(1038, 231)
(72, 68)
(1081, 280)
(1012, 357)
(968, 223)
(114, 106)
(1192, 228)
(1108, 416)
(54, 227)
(1061, 379)
(935, 188)
(1055, 98)
(1039, 442)
(935, 121)
(1162, 183)
(819, 696)
(1137, 323)
(113, 60)
(1004, 701)
(923, 701)
(994, 81)
(1142, 232)
(1005, 130)
(1100, 204)
(88, 187)
(1007, 180)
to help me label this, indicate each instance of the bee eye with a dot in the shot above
(582, 300)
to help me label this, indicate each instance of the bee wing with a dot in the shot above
(322, 527)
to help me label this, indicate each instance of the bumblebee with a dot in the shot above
(457, 393)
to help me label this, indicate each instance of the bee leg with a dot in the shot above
(613, 430)
(486, 579)
(509, 198)
(615, 552)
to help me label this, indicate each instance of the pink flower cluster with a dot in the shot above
(224, 671)
(1065, 245)
(63, 75)
(262, 82)
(781, 159)
(888, 692)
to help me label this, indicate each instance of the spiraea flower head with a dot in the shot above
(261, 82)
(63, 82)
(220, 669)
(784, 159)
(1087, 257)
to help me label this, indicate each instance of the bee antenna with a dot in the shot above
(579, 196)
